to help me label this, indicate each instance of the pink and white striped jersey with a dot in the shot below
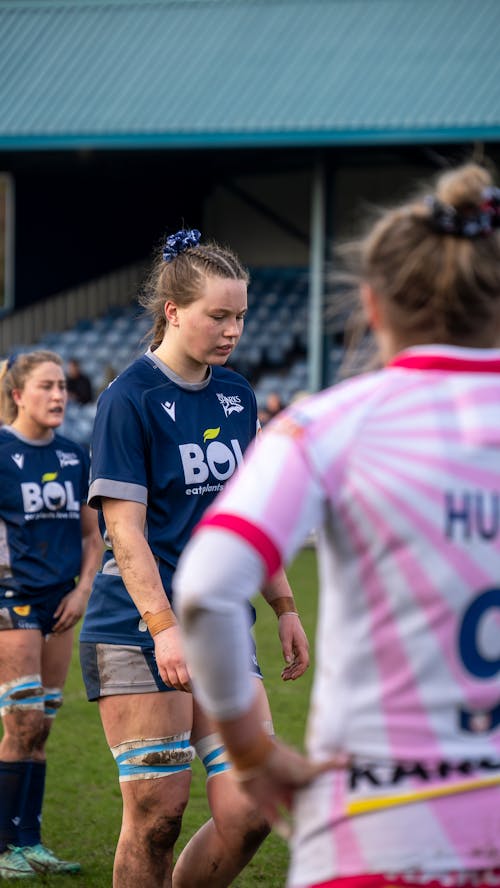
(399, 472)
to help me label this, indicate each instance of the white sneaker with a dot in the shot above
(13, 865)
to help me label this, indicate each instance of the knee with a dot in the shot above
(244, 829)
(156, 820)
(162, 834)
(255, 829)
(28, 733)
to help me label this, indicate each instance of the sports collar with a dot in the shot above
(449, 358)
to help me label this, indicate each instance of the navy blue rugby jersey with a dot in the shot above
(43, 487)
(171, 446)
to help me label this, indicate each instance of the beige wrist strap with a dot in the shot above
(284, 605)
(164, 619)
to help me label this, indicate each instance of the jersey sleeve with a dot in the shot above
(118, 450)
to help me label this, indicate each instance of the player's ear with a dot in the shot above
(16, 396)
(171, 314)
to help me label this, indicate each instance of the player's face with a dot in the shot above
(212, 325)
(41, 403)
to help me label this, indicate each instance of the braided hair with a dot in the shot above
(179, 272)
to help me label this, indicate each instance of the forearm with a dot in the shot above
(217, 648)
(91, 550)
(278, 594)
(247, 742)
(212, 603)
(294, 643)
(125, 522)
(91, 557)
(138, 570)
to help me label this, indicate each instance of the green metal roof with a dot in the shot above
(201, 73)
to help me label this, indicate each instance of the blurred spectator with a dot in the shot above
(272, 407)
(299, 396)
(273, 404)
(78, 384)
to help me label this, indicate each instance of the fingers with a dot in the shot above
(337, 762)
(282, 827)
(66, 622)
(295, 647)
(170, 659)
(177, 679)
(293, 670)
(298, 665)
(66, 617)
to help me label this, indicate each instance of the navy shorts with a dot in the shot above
(110, 669)
(21, 611)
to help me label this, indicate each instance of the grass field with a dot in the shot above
(83, 807)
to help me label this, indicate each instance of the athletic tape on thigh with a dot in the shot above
(213, 753)
(25, 692)
(53, 699)
(154, 757)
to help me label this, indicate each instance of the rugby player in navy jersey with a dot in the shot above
(48, 538)
(169, 432)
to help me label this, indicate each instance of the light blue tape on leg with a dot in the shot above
(53, 700)
(133, 764)
(213, 754)
(18, 696)
(216, 767)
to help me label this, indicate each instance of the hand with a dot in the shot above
(170, 659)
(273, 785)
(294, 645)
(69, 610)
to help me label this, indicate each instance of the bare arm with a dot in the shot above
(125, 523)
(73, 605)
(91, 549)
(269, 770)
(295, 646)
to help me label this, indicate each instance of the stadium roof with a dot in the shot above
(243, 73)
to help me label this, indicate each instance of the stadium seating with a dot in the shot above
(271, 353)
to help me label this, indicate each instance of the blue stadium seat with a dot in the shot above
(273, 345)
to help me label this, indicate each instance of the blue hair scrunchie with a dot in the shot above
(11, 360)
(447, 219)
(180, 242)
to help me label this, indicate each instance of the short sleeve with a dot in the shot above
(118, 451)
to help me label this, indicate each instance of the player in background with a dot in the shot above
(399, 472)
(169, 432)
(49, 552)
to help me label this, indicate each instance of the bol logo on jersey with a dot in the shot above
(217, 460)
(50, 496)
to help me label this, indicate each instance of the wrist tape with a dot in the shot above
(164, 619)
(284, 605)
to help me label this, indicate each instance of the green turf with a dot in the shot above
(82, 807)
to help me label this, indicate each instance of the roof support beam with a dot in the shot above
(267, 212)
(317, 275)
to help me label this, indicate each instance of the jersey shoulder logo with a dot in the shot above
(67, 459)
(169, 407)
(18, 459)
(230, 403)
